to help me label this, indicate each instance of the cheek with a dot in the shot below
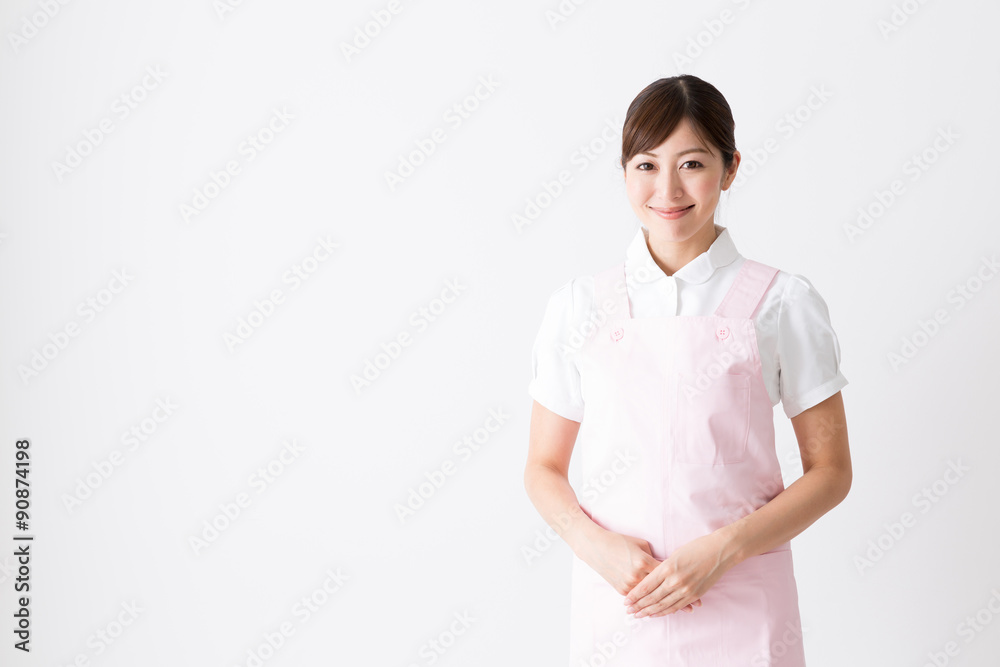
(706, 190)
(637, 190)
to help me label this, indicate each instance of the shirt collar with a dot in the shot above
(722, 252)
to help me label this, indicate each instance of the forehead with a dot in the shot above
(665, 152)
(683, 140)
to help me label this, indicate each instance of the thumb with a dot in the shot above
(651, 561)
(644, 545)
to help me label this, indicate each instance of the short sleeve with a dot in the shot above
(808, 349)
(555, 378)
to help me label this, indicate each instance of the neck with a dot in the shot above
(672, 256)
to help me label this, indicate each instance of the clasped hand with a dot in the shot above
(653, 587)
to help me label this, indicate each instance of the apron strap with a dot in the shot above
(741, 301)
(605, 284)
(747, 291)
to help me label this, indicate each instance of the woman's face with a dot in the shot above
(680, 173)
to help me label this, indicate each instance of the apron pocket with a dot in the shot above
(713, 421)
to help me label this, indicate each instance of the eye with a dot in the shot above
(694, 162)
(641, 165)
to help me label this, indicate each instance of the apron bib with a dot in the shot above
(678, 441)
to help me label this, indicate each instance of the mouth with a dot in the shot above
(673, 213)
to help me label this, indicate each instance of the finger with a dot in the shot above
(666, 611)
(675, 601)
(641, 602)
(643, 606)
(649, 583)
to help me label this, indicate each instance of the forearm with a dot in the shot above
(786, 515)
(551, 494)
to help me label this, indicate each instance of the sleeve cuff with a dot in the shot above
(560, 407)
(794, 407)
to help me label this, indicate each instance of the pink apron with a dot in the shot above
(677, 441)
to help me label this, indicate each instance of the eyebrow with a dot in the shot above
(683, 152)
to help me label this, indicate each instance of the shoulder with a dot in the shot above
(569, 314)
(799, 311)
(786, 287)
(572, 300)
(807, 347)
(790, 297)
(797, 291)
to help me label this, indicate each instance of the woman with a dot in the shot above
(663, 371)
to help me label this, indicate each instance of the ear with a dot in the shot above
(730, 174)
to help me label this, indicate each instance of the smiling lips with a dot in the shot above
(672, 213)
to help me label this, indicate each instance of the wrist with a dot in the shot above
(582, 534)
(731, 544)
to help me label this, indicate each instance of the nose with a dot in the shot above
(668, 184)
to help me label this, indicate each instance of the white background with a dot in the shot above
(124, 537)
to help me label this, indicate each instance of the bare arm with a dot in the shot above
(826, 464)
(622, 560)
(550, 445)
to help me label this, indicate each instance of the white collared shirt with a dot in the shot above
(800, 356)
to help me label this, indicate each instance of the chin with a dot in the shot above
(672, 230)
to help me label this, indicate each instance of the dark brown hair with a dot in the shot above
(656, 111)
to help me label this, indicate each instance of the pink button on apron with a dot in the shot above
(682, 447)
